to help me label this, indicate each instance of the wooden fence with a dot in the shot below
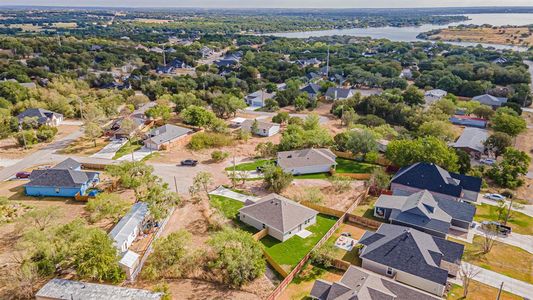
(362, 221)
(356, 176)
(323, 209)
(288, 279)
(382, 161)
(261, 234)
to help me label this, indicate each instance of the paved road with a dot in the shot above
(494, 279)
(41, 156)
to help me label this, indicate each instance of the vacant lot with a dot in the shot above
(352, 166)
(519, 222)
(290, 252)
(83, 146)
(506, 36)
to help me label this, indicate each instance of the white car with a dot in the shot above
(488, 161)
(496, 197)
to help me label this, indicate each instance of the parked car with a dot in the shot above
(346, 234)
(189, 162)
(22, 175)
(260, 169)
(495, 197)
(487, 161)
(502, 229)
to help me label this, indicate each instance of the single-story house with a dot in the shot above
(490, 100)
(282, 217)
(339, 93)
(425, 213)
(128, 263)
(308, 62)
(237, 122)
(129, 227)
(432, 96)
(468, 121)
(62, 180)
(118, 132)
(411, 257)
(265, 129)
(439, 182)
(63, 289)
(472, 141)
(357, 283)
(307, 161)
(43, 116)
(166, 136)
(312, 90)
(206, 51)
(258, 98)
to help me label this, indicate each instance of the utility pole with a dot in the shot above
(508, 212)
(499, 292)
(327, 64)
(164, 58)
(175, 184)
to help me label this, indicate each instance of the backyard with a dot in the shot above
(250, 166)
(356, 233)
(289, 253)
(366, 209)
(504, 259)
(519, 222)
(228, 207)
(352, 166)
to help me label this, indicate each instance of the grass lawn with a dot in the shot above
(479, 291)
(313, 176)
(504, 259)
(366, 209)
(519, 222)
(352, 166)
(128, 148)
(290, 252)
(250, 166)
(228, 207)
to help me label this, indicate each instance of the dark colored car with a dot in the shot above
(502, 229)
(22, 175)
(189, 162)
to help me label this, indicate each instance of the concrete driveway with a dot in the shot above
(222, 191)
(110, 149)
(137, 155)
(514, 239)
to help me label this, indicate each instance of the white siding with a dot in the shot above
(309, 169)
(274, 232)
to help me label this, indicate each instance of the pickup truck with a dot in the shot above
(502, 229)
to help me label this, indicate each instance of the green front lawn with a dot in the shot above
(250, 166)
(289, 253)
(352, 166)
(313, 176)
(127, 149)
(228, 207)
(519, 222)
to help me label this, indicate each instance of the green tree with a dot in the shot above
(498, 142)
(201, 183)
(508, 173)
(507, 122)
(483, 111)
(197, 116)
(93, 131)
(26, 138)
(281, 118)
(463, 160)
(425, 149)
(134, 175)
(159, 111)
(362, 141)
(380, 179)
(106, 205)
(236, 256)
(46, 133)
(266, 150)
(300, 103)
(275, 179)
(227, 105)
(442, 130)
(413, 96)
(13, 92)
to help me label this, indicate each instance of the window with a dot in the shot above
(389, 271)
(263, 225)
(57, 190)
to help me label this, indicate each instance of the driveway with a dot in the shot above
(222, 191)
(110, 149)
(514, 239)
(137, 155)
(523, 208)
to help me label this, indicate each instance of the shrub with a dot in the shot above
(340, 184)
(207, 140)
(46, 133)
(26, 138)
(219, 156)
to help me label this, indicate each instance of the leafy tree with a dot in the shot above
(483, 111)
(46, 133)
(236, 256)
(159, 199)
(184, 100)
(281, 118)
(425, 149)
(442, 130)
(201, 182)
(349, 117)
(413, 96)
(159, 111)
(106, 205)
(218, 156)
(93, 131)
(266, 150)
(508, 173)
(463, 160)
(323, 256)
(26, 138)
(311, 122)
(275, 179)
(498, 142)
(509, 123)
(134, 175)
(379, 179)
(362, 141)
(300, 103)
(227, 105)
(13, 92)
(197, 116)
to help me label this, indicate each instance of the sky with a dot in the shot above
(272, 3)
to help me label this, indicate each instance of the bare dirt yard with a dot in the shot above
(504, 35)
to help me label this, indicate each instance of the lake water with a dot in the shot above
(408, 34)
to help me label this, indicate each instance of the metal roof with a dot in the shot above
(126, 226)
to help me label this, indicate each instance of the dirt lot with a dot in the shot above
(507, 36)
(10, 149)
(524, 142)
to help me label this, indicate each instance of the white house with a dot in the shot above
(43, 116)
(307, 161)
(129, 227)
(258, 98)
(282, 217)
(263, 128)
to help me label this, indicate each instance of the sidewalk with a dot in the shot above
(514, 239)
(515, 286)
(110, 149)
(525, 209)
(224, 192)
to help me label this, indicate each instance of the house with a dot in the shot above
(411, 257)
(356, 283)
(425, 213)
(265, 129)
(494, 102)
(439, 182)
(433, 96)
(472, 141)
(338, 93)
(128, 263)
(406, 74)
(179, 64)
(96, 48)
(62, 289)
(282, 217)
(129, 227)
(63, 180)
(166, 136)
(230, 60)
(43, 116)
(164, 69)
(258, 98)
(468, 121)
(308, 62)
(118, 132)
(500, 60)
(312, 90)
(156, 50)
(307, 161)
(206, 51)
(312, 76)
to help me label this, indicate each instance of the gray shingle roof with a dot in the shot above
(125, 227)
(69, 289)
(42, 115)
(411, 251)
(306, 157)
(339, 93)
(69, 164)
(311, 88)
(490, 100)
(261, 125)
(278, 212)
(60, 178)
(472, 138)
(358, 284)
(167, 133)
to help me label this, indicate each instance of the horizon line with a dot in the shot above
(259, 7)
